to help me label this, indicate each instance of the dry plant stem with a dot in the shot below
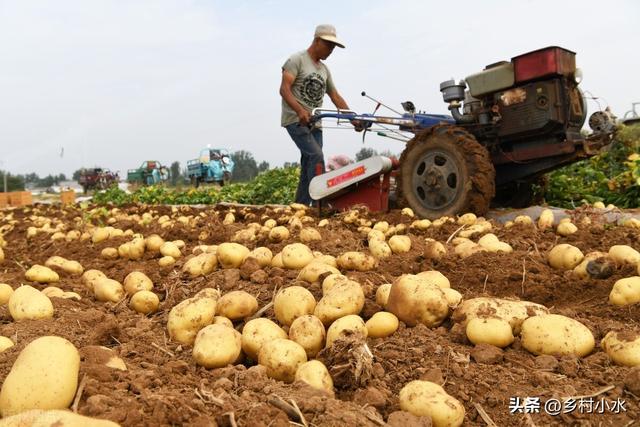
(76, 400)
(529, 420)
(260, 312)
(232, 419)
(454, 233)
(162, 349)
(487, 419)
(597, 393)
(291, 411)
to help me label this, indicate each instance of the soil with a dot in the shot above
(162, 385)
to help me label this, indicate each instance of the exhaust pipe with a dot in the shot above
(459, 117)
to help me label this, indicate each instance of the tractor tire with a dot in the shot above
(445, 171)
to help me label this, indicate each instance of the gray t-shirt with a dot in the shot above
(311, 83)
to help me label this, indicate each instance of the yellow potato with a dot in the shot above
(622, 348)
(41, 274)
(188, 317)
(566, 228)
(331, 280)
(293, 302)
(71, 295)
(71, 267)
(170, 249)
(565, 257)
(490, 330)
(625, 291)
(312, 271)
(356, 261)
(556, 334)
(309, 332)
(166, 261)
(623, 254)
(90, 276)
(309, 234)
(523, 220)
(137, 281)
(262, 255)
(282, 358)
(109, 253)
(296, 256)
(27, 303)
(153, 243)
(52, 291)
(467, 219)
(231, 255)
(237, 305)
(345, 298)
(381, 325)
(5, 293)
(379, 248)
(44, 376)
(435, 278)
(106, 289)
(200, 265)
(217, 346)
(424, 398)
(454, 298)
(382, 294)
(258, 331)
(100, 234)
(598, 205)
(580, 270)
(315, 374)
(415, 300)
(434, 249)
(5, 343)
(491, 243)
(221, 320)
(351, 324)
(329, 260)
(276, 261)
(400, 244)
(1, 255)
(144, 302)
(514, 312)
(546, 219)
(421, 224)
(279, 234)
(54, 418)
(407, 212)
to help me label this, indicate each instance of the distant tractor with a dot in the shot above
(149, 173)
(214, 165)
(97, 179)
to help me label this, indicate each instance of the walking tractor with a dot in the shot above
(213, 165)
(150, 172)
(509, 125)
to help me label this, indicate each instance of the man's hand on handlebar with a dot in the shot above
(358, 125)
(304, 117)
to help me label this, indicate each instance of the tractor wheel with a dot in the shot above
(445, 171)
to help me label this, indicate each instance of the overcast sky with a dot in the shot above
(116, 82)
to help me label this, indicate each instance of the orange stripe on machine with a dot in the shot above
(360, 170)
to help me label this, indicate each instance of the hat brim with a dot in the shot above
(333, 40)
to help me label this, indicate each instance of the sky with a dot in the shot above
(112, 83)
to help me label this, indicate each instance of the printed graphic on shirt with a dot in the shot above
(313, 90)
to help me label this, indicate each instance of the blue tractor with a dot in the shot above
(214, 165)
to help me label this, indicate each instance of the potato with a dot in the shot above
(231, 255)
(200, 265)
(415, 300)
(166, 261)
(258, 331)
(467, 219)
(44, 376)
(400, 244)
(623, 254)
(623, 348)
(137, 281)
(296, 256)
(170, 249)
(1, 255)
(382, 294)
(479, 227)
(379, 248)
(262, 255)
(546, 219)
(564, 257)
(454, 298)
(217, 346)
(407, 212)
(350, 324)
(435, 278)
(106, 289)
(27, 303)
(54, 418)
(221, 320)
(100, 234)
(625, 291)
(580, 270)
(109, 253)
(5, 343)
(282, 358)
(314, 270)
(309, 234)
(381, 325)
(5, 293)
(523, 220)
(293, 302)
(421, 224)
(556, 334)
(144, 302)
(188, 317)
(566, 228)
(316, 374)
(279, 234)
(237, 305)
(41, 274)
(276, 261)
(491, 243)
(345, 298)
(90, 276)
(356, 261)
(598, 205)
(208, 293)
(270, 223)
(331, 280)
(153, 243)
(491, 330)
(377, 233)
(309, 332)
(71, 267)
(424, 398)
(52, 291)
(71, 295)
(513, 311)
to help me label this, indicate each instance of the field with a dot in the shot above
(163, 385)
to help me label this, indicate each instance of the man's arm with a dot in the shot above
(341, 104)
(287, 95)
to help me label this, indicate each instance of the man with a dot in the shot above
(305, 80)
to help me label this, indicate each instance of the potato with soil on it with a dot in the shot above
(108, 290)
(351, 324)
(382, 294)
(221, 320)
(89, 277)
(625, 291)
(293, 302)
(309, 332)
(494, 331)
(622, 347)
(491, 243)
(200, 265)
(316, 374)
(258, 331)
(5, 293)
(555, 334)
(513, 311)
(217, 346)
(436, 278)
(52, 291)
(400, 244)
(381, 325)
(28, 303)
(279, 234)
(44, 376)
(624, 254)
(331, 280)
(41, 274)
(236, 305)
(189, 316)
(5, 343)
(144, 302)
(170, 249)
(565, 257)
(282, 358)
(358, 261)
(315, 269)
(345, 298)
(434, 249)
(262, 255)
(415, 300)
(296, 256)
(54, 418)
(71, 267)
(424, 398)
(153, 243)
(231, 255)
(137, 281)
(546, 219)
(601, 259)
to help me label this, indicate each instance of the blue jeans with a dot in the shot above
(309, 141)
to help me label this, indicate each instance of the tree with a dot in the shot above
(245, 167)
(175, 173)
(14, 182)
(291, 165)
(365, 153)
(263, 166)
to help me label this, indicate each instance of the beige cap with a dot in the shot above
(328, 32)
